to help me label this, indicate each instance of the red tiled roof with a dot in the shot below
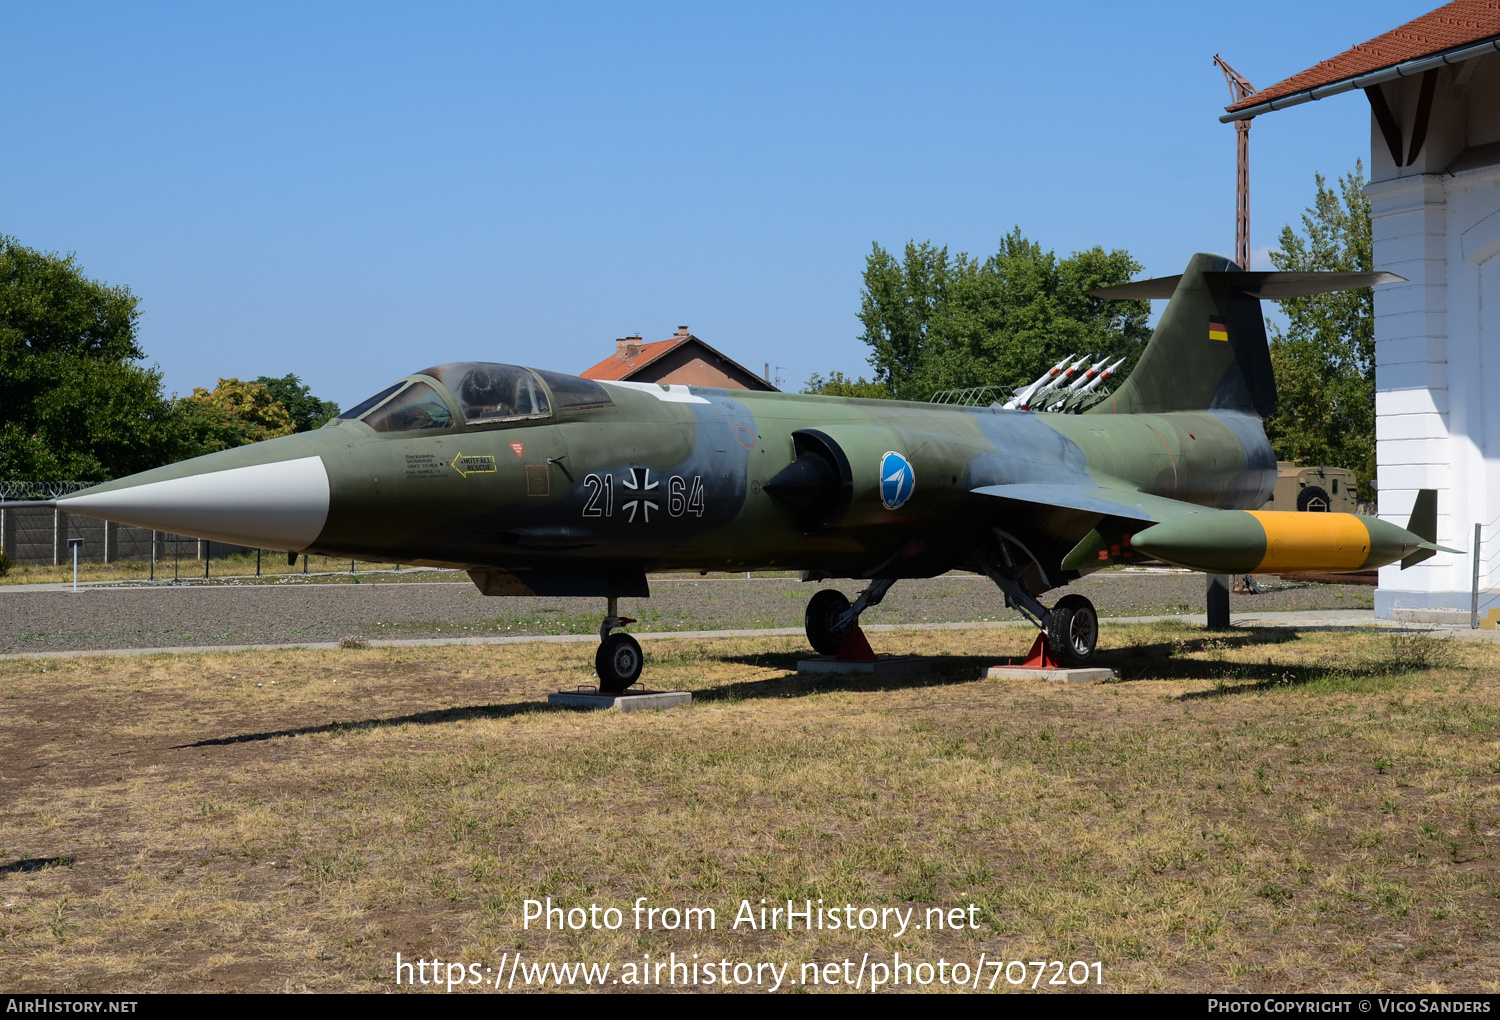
(617, 367)
(1454, 24)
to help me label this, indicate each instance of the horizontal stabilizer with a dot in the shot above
(1139, 290)
(1273, 286)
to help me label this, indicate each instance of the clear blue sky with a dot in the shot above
(355, 192)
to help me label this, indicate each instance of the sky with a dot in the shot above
(354, 192)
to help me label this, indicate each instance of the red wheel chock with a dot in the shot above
(855, 647)
(1039, 657)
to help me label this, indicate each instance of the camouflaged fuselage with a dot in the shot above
(673, 479)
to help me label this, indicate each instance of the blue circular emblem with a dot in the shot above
(898, 480)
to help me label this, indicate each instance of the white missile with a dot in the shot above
(1086, 383)
(1102, 376)
(1025, 393)
(1092, 373)
(1056, 384)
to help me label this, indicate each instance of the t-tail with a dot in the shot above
(1209, 350)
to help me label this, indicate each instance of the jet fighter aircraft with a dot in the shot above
(541, 483)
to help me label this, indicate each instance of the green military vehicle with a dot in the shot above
(1316, 489)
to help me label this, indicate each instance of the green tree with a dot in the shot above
(308, 412)
(74, 404)
(934, 322)
(1325, 358)
(233, 413)
(839, 385)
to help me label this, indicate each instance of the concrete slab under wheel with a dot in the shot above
(884, 665)
(1091, 675)
(630, 701)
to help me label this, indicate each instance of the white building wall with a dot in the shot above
(1437, 336)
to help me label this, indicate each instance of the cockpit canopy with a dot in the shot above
(489, 392)
(485, 392)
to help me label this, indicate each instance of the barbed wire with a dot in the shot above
(11, 491)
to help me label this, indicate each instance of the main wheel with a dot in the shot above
(1074, 633)
(618, 662)
(821, 621)
(1313, 498)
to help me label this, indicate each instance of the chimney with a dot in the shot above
(682, 331)
(628, 346)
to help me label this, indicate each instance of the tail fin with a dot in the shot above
(1423, 524)
(1209, 349)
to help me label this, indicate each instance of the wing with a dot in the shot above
(1270, 285)
(1123, 505)
(1127, 503)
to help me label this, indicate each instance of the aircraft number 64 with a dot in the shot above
(683, 497)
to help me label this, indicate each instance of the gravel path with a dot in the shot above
(144, 617)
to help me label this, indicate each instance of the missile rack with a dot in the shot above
(1062, 389)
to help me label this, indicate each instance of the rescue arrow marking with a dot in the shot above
(474, 464)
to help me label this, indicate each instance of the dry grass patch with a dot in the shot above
(1262, 810)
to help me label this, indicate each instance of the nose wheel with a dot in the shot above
(618, 660)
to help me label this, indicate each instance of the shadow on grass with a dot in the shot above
(443, 715)
(1393, 655)
(34, 864)
(944, 671)
(1195, 656)
(1155, 661)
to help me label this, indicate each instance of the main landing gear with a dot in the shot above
(830, 616)
(1070, 629)
(618, 660)
(1073, 630)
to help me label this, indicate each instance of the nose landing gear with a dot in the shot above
(618, 660)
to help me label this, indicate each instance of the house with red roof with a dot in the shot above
(1432, 88)
(681, 359)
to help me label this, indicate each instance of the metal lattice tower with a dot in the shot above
(1240, 88)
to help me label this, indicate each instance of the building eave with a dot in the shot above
(1406, 69)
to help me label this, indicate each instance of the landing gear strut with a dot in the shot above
(830, 617)
(618, 660)
(1070, 629)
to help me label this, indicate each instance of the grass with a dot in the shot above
(1257, 811)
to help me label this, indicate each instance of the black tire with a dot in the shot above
(1314, 498)
(1074, 633)
(820, 621)
(618, 663)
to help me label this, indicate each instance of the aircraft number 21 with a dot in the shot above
(683, 497)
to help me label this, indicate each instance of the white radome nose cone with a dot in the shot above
(282, 505)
